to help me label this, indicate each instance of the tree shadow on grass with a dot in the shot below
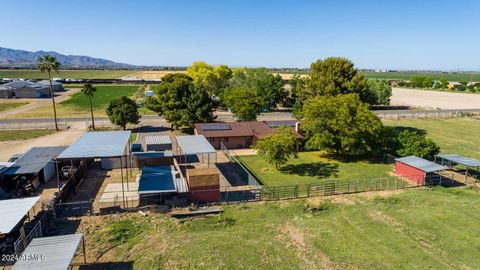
(313, 169)
(402, 128)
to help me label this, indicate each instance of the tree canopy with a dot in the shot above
(49, 64)
(180, 102)
(212, 79)
(278, 148)
(268, 86)
(342, 124)
(122, 111)
(379, 92)
(244, 102)
(413, 143)
(334, 76)
(88, 90)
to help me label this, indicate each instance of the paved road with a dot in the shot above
(228, 117)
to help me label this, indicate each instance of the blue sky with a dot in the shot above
(405, 34)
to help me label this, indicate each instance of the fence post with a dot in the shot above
(308, 189)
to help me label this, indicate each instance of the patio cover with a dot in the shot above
(102, 144)
(466, 161)
(52, 253)
(12, 212)
(195, 144)
(421, 164)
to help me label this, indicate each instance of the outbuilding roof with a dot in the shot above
(257, 129)
(34, 160)
(101, 144)
(421, 164)
(12, 212)
(158, 140)
(160, 179)
(52, 253)
(194, 144)
(466, 161)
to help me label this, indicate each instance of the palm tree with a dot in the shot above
(88, 90)
(49, 64)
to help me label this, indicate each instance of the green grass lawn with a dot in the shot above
(4, 106)
(76, 74)
(416, 229)
(313, 167)
(7, 135)
(454, 135)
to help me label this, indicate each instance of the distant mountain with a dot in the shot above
(21, 58)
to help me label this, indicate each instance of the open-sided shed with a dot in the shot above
(14, 211)
(416, 169)
(158, 143)
(195, 145)
(50, 253)
(454, 159)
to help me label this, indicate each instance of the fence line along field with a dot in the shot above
(75, 74)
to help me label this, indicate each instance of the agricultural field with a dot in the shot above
(78, 105)
(411, 229)
(462, 76)
(75, 74)
(8, 105)
(9, 135)
(314, 167)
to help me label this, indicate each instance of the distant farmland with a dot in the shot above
(76, 74)
(435, 75)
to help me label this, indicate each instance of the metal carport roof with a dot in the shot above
(195, 144)
(35, 160)
(52, 253)
(12, 212)
(421, 164)
(101, 144)
(466, 161)
(158, 179)
(158, 140)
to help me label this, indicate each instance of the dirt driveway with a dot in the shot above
(62, 138)
(435, 99)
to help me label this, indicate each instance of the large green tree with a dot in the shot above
(342, 124)
(412, 143)
(180, 102)
(268, 86)
(213, 79)
(379, 92)
(122, 111)
(88, 90)
(49, 64)
(279, 147)
(244, 102)
(334, 76)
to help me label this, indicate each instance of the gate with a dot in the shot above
(74, 209)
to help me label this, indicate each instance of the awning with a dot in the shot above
(195, 144)
(458, 159)
(421, 164)
(102, 144)
(50, 253)
(12, 212)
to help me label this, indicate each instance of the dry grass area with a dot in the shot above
(434, 99)
(152, 75)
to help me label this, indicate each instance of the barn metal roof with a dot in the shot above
(101, 144)
(158, 140)
(466, 161)
(57, 252)
(421, 164)
(12, 212)
(34, 160)
(194, 144)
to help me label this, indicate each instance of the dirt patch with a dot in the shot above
(337, 199)
(296, 238)
(434, 99)
(384, 193)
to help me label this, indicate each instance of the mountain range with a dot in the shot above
(21, 58)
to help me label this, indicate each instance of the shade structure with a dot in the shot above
(50, 253)
(421, 164)
(195, 144)
(160, 179)
(35, 160)
(102, 144)
(458, 159)
(12, 212)
(158, 140)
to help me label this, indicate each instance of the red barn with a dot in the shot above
(416, 169)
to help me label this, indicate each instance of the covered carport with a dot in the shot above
(195, 145)
(110, 145)
(52, 253)
(451, 160)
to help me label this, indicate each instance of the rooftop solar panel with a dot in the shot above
(216, 126)
(274, 124)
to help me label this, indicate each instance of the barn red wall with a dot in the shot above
(205, 195)
(414, 175)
